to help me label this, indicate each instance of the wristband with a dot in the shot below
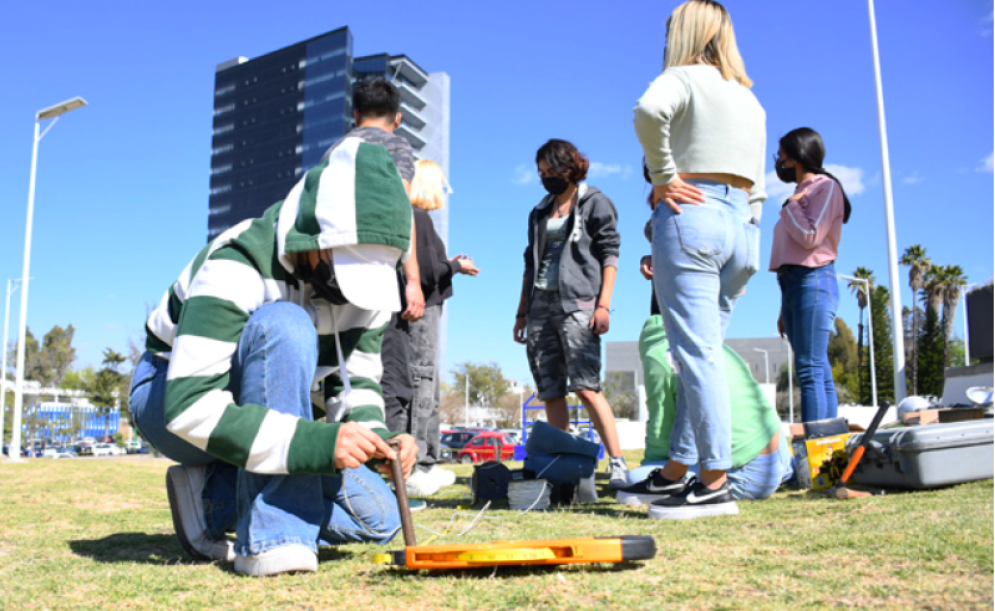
(605, 308)
(520, 315)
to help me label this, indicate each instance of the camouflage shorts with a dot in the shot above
(562, 346)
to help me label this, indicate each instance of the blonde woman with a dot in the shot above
(703, 136)
(428, 192)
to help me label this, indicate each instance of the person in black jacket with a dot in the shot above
(428, 190)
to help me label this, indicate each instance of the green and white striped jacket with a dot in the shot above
(355, 197)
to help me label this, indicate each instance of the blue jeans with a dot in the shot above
(809, 299)
(702, 260)
(754, 481)
(273, 366)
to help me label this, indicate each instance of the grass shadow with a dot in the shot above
(128, 548)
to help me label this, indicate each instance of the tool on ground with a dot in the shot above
(588, 550)
(839, 489)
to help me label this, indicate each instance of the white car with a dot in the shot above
(58, 453)
(106, 449)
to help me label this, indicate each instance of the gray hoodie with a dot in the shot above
(592, 244)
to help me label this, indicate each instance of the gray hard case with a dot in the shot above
(927, 456)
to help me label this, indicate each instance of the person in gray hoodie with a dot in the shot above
(570, 265)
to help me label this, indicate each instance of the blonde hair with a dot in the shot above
(428, 187)
(700, 32)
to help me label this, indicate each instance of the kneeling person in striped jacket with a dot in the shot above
(261, 375)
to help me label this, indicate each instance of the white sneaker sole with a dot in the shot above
(277, 561)
(636, 499)
(689, 512)
(180, 488)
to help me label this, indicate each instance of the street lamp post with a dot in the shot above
(766, 364)
(870, 333)
(12, 286)
(52, 112)
(466, 404)
(791, 383)
(894, 281)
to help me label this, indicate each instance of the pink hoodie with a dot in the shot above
(808, 232)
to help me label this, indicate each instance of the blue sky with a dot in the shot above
(122, 191)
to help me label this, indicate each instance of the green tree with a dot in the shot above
(953, 281)
(843, 359)
(487, 383)
(931, 355)
(620, 392)
(884, 349)
(917, 261)
(47, 363)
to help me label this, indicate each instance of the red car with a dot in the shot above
(484, 446)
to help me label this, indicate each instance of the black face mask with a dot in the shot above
(785, 174)
(555, 184)
(322, 279)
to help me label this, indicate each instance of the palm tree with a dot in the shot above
(859, 291)
(933, 287)
(915, 257)
(113, 359)
(953, 279)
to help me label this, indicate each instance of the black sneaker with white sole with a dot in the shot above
(696, 501)
(653, 488)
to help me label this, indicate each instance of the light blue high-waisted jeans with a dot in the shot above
(273, 366)
(702, 260)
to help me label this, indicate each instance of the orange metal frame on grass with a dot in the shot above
(588, 550)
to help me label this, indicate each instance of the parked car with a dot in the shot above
(514, 434)
(135, 446)
(84, 448)
(483, 447)
(106, 449)
(457, 438)
(445, 453)
(58, 453)
(588, 433)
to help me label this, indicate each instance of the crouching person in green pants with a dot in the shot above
(760, 454)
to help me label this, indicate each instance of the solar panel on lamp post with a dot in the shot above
(52, 112)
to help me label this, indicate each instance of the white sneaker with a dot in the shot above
(292, 558)
(184, 487)
(618, 473)
(445, 477)
(421, 484)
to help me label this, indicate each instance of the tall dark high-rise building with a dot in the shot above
(276, 115)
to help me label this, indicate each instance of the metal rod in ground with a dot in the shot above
(397, 474)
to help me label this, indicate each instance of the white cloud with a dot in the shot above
(604, 170)
(777, 191)
(987, 164)
(914, 179)
(852, 180)
(524, 174)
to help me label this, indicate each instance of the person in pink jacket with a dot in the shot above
(806, 244)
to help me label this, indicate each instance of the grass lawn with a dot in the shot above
(96, 533)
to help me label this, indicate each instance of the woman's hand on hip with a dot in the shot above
(646, 267)
(780, 324)
(520, 334)
(599, 321)
(677, 192)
